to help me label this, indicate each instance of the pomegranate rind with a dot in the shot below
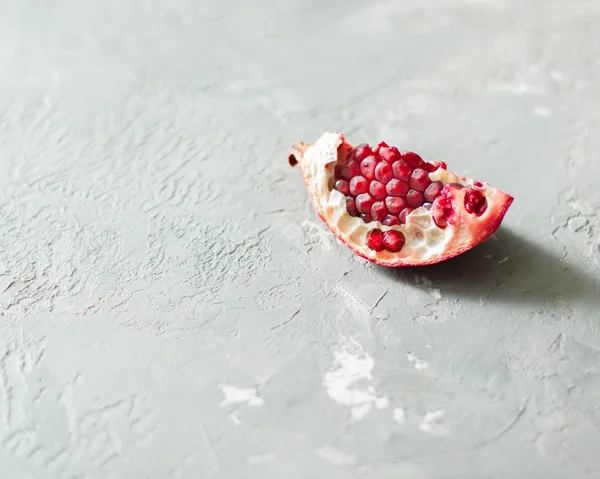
(426, 242)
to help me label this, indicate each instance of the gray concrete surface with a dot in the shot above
(171, 307)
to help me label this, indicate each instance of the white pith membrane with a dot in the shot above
(426, 243)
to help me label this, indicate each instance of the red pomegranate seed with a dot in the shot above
(358, 185)
(393, 241)
(414, 198)
(438, 218)
(419, 180)
(442, 210)
(351, 207)
(402, 170)
(377, 190)
(343, 187)
(390, 154)
(478, 184)
(350, 170)
(396, 188)
(379, 211)
(375, 240)
(433, 165)
(412, 159)
(366, 218)
(428, 167)
(360, 152)
(382, 144)
(367, 167)
(475, 202)
(364, 203)
(391, 220)
(383, 172)
(405, 212)
(433, 191)
(395, 205)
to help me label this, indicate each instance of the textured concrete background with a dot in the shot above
(171, 307)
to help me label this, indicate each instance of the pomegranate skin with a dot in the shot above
(427, 240)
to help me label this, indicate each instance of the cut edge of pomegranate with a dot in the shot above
(425, 242)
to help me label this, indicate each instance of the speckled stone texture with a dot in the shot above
(171, 306)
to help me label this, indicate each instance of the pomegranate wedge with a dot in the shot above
(392, 207)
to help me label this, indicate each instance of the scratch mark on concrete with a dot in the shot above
(511, 423)
(378, 301)
(557, 343)
(286, 321)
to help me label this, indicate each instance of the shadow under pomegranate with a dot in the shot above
(508, 268)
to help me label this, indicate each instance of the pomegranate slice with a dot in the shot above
(392, 207)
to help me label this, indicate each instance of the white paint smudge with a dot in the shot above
(399, 415)
(360, 412)
(349, 382)
(335, 455)
(235, 395)
(235, 419)
(503, 260)
(541, 111)
(419, 363)
(433, 423)
(557, 76)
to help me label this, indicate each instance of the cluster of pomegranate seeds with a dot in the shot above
(367, 196)
(475, 202)
(444, 209)
(382, 184)
(391, 240)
